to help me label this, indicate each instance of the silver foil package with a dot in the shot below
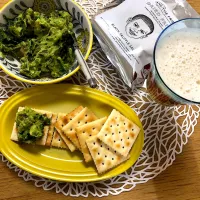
(128, 32)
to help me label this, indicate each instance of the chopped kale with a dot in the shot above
(30, 125)
(43, 44)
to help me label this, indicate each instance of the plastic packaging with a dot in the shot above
(128, 32)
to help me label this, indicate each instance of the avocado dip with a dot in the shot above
(30, 125)
(43, 44)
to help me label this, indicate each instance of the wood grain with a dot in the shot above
(178, 182)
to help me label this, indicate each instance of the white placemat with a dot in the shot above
(165, 133)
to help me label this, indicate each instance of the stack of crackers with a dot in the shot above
(106, 141)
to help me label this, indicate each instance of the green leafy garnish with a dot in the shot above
(30, 125)
(43, 44)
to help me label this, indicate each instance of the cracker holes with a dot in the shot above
(83, 131)
(70, 119)
(90, 135)
(112, 133)
(117, 124)
(126, 131)
(114, 141)
(132, 129)
(59, 140)
(110, 126)
(86, 115)
(85, 122)
(112, 158)
(119, 132)
(106, 156)
(94, 143)
(121, 139)
(93, 128)
(123, 147)
(105, 134)
(102, 163)
(71, 129)
(128, 138)
(79, 122)
(98, 153)
(124, 123)
(101, 145)
(108, 149)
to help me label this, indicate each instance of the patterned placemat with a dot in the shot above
(167, 129)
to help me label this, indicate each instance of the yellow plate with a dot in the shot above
(54, 163)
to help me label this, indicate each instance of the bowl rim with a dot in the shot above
(65, 76)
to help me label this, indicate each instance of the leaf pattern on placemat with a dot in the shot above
(9, 86)
(165, 134)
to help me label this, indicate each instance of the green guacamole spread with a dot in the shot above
(43, 44)
(30, 125)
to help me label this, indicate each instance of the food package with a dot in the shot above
(128, 32)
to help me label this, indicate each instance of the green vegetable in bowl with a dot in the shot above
(43, 44)
(30, 125)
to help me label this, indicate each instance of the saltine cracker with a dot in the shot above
(84, 117)
(104, 157)
(57, 141)
(119, 133)
(87, 130)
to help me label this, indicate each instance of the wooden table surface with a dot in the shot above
(180, 181)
